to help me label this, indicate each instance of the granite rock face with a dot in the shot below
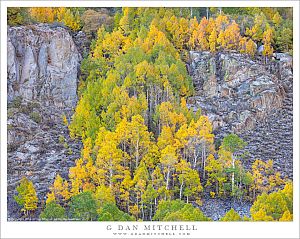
(43, 68)
(249, 98)
(43, 65)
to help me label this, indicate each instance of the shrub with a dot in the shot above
(16, 102)
(61, 139)
(35, 116)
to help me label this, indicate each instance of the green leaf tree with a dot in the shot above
(53, 211)
(231, 216)
(83, 207)
(233, 143)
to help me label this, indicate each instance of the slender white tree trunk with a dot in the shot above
(180, 194)
(167, 183)
(204, 159)
(232, 176)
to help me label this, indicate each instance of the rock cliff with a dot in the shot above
(252, 99)
(43, 68)
(42, 65)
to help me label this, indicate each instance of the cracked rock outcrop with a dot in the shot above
(252, 99)
(43, 65)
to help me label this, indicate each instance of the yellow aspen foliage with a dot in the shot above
(231, 216)
(140, 180)
(168, 159)
(104, 195)
(193, 33)
(71, 20)
(273, 206)
(78, 176)
(250, 48)
(215, 175)
(268, 12)
(277, 19)
(210, 26)
(221, 22)
(108, 161)
(65, 120)
(286, 217)
(193, 25)
(60, 188)
(166, 137)
(242, 45)
(267, 40)
(231, 36)
(181, 137)
(265, 178)
(213, 41)
(50, 197)
(172, 24)
(126, 20)
(42, 14)
(31, 198)
(182, 33)
(203, 35)
(189, 180)
(76, 23)
(113, 44)
(60, 13)
(193, 40)
(221, 40)
(261, 216)
(26, 197)
(134, 210)
(204, 127)
(124, 193)
(157, 37)
(225, 156)
(158, 180)
(151, 159)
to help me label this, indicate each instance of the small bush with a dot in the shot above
(61, 139)
(70, 152)
(16, 103)
(33, 105)
(35, 116)
(26, 109)
(11, 112)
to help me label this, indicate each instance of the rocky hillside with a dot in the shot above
(43, 69)
(239, 94)
(252, 99)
